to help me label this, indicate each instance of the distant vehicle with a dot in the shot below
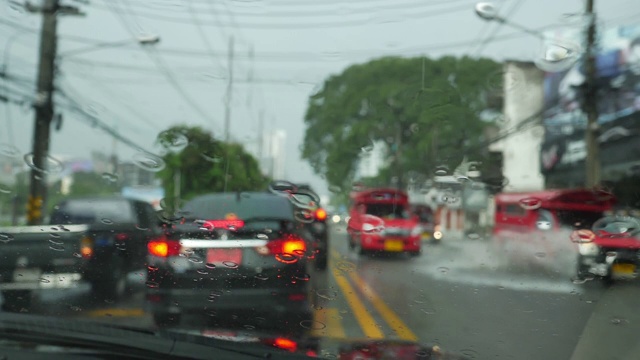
(610, 249)
(431, 230)
(381, 220)
(97, 240)
(235, 252)
(527, 215)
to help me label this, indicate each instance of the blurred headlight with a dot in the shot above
(335, 218)
(437, 235)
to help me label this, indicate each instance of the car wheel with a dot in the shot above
(16, 300)
(166, 319)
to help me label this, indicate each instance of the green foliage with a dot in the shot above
(207, 165)
(429, 107)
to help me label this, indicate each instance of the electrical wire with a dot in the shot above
(160, 64)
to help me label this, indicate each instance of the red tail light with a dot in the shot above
(321, 214)
(293, 246)
(164, 248)
(286, 344)
(122, 236)
(223, 224)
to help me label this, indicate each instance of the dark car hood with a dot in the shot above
(343, 349)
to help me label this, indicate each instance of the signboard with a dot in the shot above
(152, 195)
(618, 83)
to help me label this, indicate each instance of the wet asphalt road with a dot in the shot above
(460, 294)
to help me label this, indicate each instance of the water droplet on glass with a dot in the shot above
(152, 268)
(287, 258)
(202, 271)
(473, 236)
(261, 277)
(50, 166)
(152, 284)
(5, 189)
(312, 325)
(45, 280)
(78, 255)
(540, 255)
(304, 215)
(469, 353)
(56, 247)
(173, 140)
(579, 281)
(335, 189)
(9, 150)
(262, 236)
(443, 270)
(107, 221)
(188, 251)
(75, 308)
(249, 327)
(5, 238)
(303, 277)
(558, 56)
(149, 162)
(195, 260)
(230, 264)
(345, 266)
(441, 171)
(530, 203)
(210, 266)
(56, 241)
(112, 178)
(367, 148)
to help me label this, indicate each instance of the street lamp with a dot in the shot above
(144, 40)
(487, 11)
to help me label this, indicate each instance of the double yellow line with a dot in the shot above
(365, 319)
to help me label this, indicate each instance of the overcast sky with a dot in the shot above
(141, 91)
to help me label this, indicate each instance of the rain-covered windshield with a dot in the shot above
(226, 169)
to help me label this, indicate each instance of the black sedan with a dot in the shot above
(242, 252)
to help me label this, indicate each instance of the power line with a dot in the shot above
(164, 69)
(305, 25)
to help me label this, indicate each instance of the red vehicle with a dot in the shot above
(525, 215)
(381, 220)
(610, 249)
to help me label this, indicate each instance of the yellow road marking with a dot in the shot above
(394, 321)
(331, 318)
(117, 313)
(362, 315)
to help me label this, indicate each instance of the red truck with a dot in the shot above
(381, 221)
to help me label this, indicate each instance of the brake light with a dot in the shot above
(286, 344)
(223, 224)
(164, 248)
(321, 214)
(292, 246)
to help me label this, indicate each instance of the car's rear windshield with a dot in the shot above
(89, 211)
(389, 211)
(243, 206)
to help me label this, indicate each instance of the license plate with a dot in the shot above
(225, 257)
(393, 245)
(623, 269)
(27, 275)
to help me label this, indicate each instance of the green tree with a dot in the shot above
(205, 165)
(426, 111)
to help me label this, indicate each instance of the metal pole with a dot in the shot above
(590, 108)
(44, 114)
(227, 108)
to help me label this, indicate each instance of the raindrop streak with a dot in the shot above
(312, 325)
(230, 264)
(148, 162)
(5, 238)
(173, 140)
(112, 178)
(531, 203)
(51, 165)
(9, 150)
(557, 57)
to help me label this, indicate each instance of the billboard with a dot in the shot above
(618, 84)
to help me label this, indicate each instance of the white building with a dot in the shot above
(523, 102)
(273, 161)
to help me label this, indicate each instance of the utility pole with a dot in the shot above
(590, 107)
(44, 106)
(227, 108)
(260, 137)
